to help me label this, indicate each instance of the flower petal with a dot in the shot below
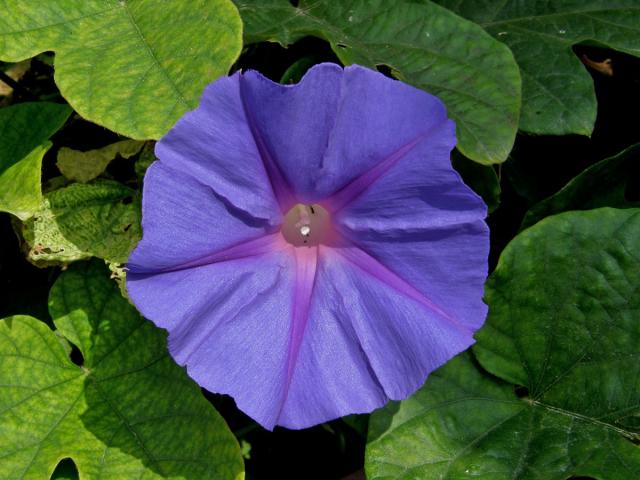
(418, 174)
(377, 118)
(448, 265)
(422, 222)
(294, 121)
(299, 336)
(184, 221)
(230, 324)
(214, 145)
(364, 343)
(336, 124)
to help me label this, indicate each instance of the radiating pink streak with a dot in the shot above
(356, 187)
(377, 270)
(250, 248)
(279, 185)
(306, 259)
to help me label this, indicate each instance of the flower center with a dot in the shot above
(306, 225)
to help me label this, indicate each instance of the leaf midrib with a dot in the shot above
(152, 54)
(583, 418)
(123, 7)
(136, 436)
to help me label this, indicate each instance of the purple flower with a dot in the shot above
(309, 248)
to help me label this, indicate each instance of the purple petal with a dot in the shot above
(306, 260)
(378, 117)
(298, 340)
(365, 342)
(230, 323)
(336, 124)
(185, 221)
(448, 265)
(412, 190)
(419, 170)
(423, 223)
(299, 336)
(214, 144)
(294, 122)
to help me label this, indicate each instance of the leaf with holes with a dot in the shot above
(134, 66)
(24, 130)
(127, 412)
(612, 182)
(101, 219)
(475, 76)
(563, 325)
(557, 92)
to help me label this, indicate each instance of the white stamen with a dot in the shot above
(305, 230)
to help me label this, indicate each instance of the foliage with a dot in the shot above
(541, 37)
(475, 76)
(127, 410)
(25, 129)
(570, 345)
(134, 66)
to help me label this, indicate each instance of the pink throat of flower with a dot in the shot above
(306, 225)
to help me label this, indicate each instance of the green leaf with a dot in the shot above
(424, 45)
(85, 166)
(563, 325)
(298, 69)
(144, 161)
(83, 220)
(20, 190)
(24, 130)
(134, 66)
(558, 97)
(608, 183)
(453, 427)
(127, 412)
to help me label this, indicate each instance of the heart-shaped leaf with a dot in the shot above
(134, 66)
(127, 412)
(557, 92)
(562, 336)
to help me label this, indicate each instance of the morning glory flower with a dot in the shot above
(309, 247)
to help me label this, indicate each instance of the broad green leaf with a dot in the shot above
(612, 182)
(85, 166)
(424, 45)
(452, 428)
(128, 412)
(83, 220)
(24, 130)
(134, 66)
(26, 126)
(563, 325)
(557, 92)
